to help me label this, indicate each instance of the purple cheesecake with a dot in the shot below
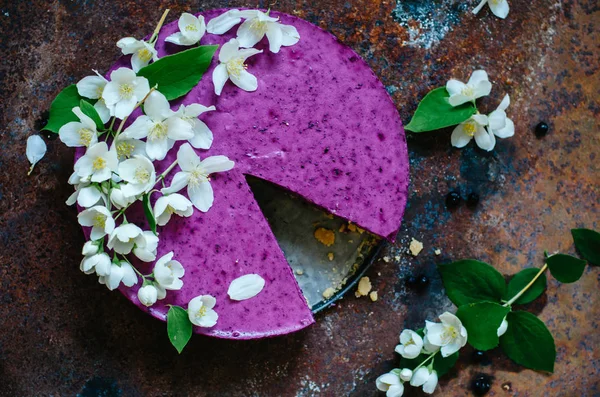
(320, 125)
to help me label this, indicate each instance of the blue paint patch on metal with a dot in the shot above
(434, 18)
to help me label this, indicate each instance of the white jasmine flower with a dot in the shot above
(450, 334)
(99, 219)
(119, 199)
(79, 133)
(232, 67)
(195, 175)
(390, 383)
(477, 86)
(429, 347)
(145, 246)
(171, 204)
(98, 163)
(191, 30)
(89, 248)
(260, 24)
(473, 128)
(92, 87)
(201, 313)
(168, 272)
(35, 150)
(124, 91)
(499, 7)
(139, 174)
(141, 52)
(426, 378)
(122, 239)
(410, 345)
(100, 263)
(203, 136)
(147, 295)
(119, 272)
(126, 148)
(406, 374)
(161, 126)
(245, 287)
(503, 327)
(499, 124)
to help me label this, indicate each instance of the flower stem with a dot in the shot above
(169, 169)
(517, 296)
(425, 361)
(160, 24)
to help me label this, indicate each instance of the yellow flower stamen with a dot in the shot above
(468, 91)
(158, 132)
(125, 150)
(201, 312)
(126, 91)
(142, 175)
(98, 164)
(191, 28)
(144, 54)
(260, 27)
(236, 66)
(100, 221)
(85, 136)
(197, 177)
(470, 128)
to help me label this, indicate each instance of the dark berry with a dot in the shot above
(541, 129)
(418, 282)
(481, 384)
(481, 357)
(453, 200)
(472, 200)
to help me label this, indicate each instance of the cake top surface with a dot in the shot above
(320, 125)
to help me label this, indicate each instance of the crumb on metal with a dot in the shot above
(364, 287)
(325, 236)
(330, 256)
(438, 251)
(415, 247)
(328, 293)
(373, 296)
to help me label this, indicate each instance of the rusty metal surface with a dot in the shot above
(62, 333)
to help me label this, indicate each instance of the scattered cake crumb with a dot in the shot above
(329, 216)
(328, 293)
(325, 236)
(373, 296)
(351, 227)
(397, 258)
(415, 247)
(386, 259)
(342, 228)
(379, 273)
(330, 256)
(299, 272)
(438, 251)
(364, 287)
(350, 241)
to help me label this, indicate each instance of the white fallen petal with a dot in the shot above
(36, 149)
(245, 287)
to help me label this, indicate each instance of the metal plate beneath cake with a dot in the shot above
(318, 268)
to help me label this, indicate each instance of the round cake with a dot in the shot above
(320, 125)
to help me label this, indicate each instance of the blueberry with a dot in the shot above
(481, 357)
(481, 384)
(418, 282)
(541, 129)
(453, 199)
(472, 199)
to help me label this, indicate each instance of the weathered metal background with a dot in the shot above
(62, 333)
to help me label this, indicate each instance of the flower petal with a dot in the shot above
(214, 164)
(455, 87)
(245, 287)
(220, 77)
(275, 36)
(249, 36)
(223, 22)
(419, 377)
(229, 50)
(476, 77)
(290, 35)
(245, 81)
(499, 8)
(139, 129)
(180, 180)
(484, 139)
(201, 196)
(203, 136)
(459, 137)
(157, 107)
(507, 131)
(35, 150)
(431, 383)
(91, 86)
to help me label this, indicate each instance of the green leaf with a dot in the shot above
(89, 110)
(520, 280)
(177, 74)
(61, 110)
(528, 342)
(587, 243)
(441, 364)
(149, 213)
(179, 327)
(470, 281)
(482, 321)
(435, 112)
(565, 268)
